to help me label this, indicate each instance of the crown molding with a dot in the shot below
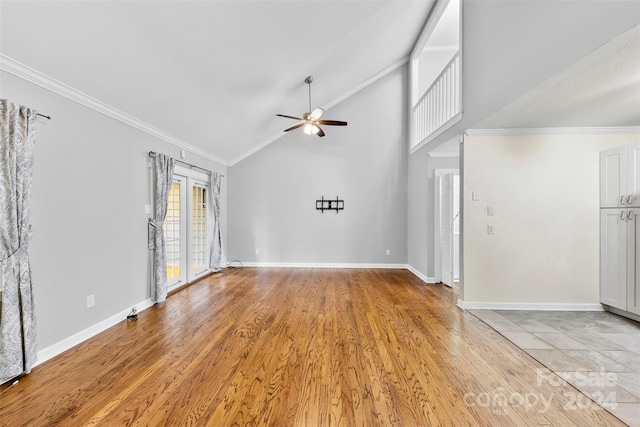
(29, 74)
(326, 107)
(371, 80)
(553, 131)
(254, 150)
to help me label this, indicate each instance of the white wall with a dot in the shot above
(272, 194)
(90, 186)
(545, 193)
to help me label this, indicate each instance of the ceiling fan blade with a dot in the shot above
(316, 113)
(320, 131)
(332, 122)
(289, 117)
(295, 127)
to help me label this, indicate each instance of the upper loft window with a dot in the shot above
(436, 73)
(440, 48)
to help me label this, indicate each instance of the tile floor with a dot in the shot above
(596, 352)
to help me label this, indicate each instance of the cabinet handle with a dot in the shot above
(622, 200)
(630, 216)
(629, 199)
(622, 215)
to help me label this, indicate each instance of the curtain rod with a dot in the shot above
(42, 115)
(153, 154)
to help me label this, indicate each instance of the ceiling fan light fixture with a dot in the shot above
(311, 129)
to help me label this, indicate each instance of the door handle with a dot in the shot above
(630, 216)
(622, 200)
(629, 199)
(622, 215)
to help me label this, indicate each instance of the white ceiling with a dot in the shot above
(600, 90)
(212, 73)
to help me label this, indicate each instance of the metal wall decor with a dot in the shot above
(329, 205)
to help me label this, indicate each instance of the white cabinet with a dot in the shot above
(619, 231)
(620, 177)
(613, 257)
(633, 261)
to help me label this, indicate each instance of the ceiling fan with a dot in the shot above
(311, 120)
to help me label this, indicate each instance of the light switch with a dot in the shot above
(490, 210)
(489, 229)
(475, 196)
(147, 209)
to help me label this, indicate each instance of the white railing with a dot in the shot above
(440, 103)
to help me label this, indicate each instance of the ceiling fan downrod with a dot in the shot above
(308, 81)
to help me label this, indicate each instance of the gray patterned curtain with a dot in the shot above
(217, 259)
(164, 177)
(17, 315)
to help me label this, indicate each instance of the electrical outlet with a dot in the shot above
(489, 229)
(490, 210)
(388, 251)
(91, 301)
(147, 209)
(257, 251)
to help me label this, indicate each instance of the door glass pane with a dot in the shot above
(172, 231)
(199, 228)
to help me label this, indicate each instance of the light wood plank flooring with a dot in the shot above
(298, 347)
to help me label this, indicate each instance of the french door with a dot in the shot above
(185, 227)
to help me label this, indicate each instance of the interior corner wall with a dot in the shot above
(90, 186)
(544, 190)
(273, 193)
(420, 211)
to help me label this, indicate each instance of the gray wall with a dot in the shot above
(420, 219)
(272, 194)
(90, 186)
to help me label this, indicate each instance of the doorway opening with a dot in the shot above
(185, 227)
(447, 226)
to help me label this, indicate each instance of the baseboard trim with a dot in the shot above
(322, 265)
(421, 276)
(623, 313)
(467, 305)
(75, 339)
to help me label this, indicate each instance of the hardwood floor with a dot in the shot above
(299, 347)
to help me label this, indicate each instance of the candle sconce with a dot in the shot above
(329, 205)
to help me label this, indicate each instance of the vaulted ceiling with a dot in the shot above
(212, 74)
(600, 90)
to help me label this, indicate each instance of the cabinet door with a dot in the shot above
(613, 177)
(613, 257)
(633, 175)
(633, 261)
